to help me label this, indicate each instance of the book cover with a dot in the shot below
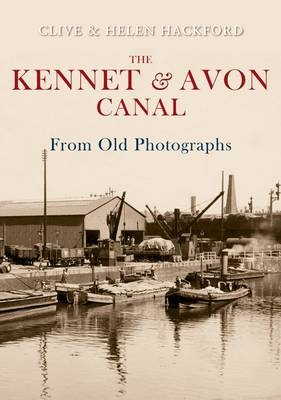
(154, 100)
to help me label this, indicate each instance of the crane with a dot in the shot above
(191, 223)
(113, 219)
(166, 230)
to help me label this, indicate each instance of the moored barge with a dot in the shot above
(18, 304)
(107, 293)
(207, 296)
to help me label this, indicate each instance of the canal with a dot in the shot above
(145, 351)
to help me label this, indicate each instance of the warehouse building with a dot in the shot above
(70, 223)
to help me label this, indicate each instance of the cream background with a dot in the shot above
(251, 120)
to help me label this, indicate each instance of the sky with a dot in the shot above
(249, 120)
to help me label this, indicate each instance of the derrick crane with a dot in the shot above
(204, 210)
(166, 230)
(113, 219)
(175, 237)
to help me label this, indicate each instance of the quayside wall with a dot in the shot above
(23, 278)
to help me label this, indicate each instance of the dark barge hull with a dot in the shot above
(197, 298)
(234, 275)
(22, 304)
(27, 313)
(72, 293)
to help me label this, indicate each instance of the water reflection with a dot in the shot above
(110, 324)
(266, 295)
(116, 349)
(29, 328)
(33, 328)
(136, 350)
(223, 336)
(43, 365)
(268, 287)
(227, 329)
(183, 316)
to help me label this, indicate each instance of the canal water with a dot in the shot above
(145, 351)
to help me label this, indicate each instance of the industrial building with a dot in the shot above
(70, 223)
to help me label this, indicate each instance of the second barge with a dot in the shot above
(112, 293)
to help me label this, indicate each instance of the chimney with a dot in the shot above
(193, 205)
(231, 205)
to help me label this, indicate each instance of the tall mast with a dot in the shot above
(222, 207)
(44, 159)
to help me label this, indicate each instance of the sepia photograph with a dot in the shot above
(140, 210)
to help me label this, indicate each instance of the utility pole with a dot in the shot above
(222, 207)
(201, 257)
(273, 197)
(44, 159)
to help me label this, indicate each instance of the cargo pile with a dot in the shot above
(137, 287)
(157, 244)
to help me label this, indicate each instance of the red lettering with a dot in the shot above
(63, 77)
(107, 78)
(122, 106)
(130, 77)
(88, 79)
(160, 106)
(207, 75)
(99, 105)
(190, 80)
(19, 79)
(242, 80)
(261, 81)
(41, 78)
(175, 108)
(143, 108)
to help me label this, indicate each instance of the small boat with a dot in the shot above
(207, 296)
(107, 293)
(16, 304)
(234, 274)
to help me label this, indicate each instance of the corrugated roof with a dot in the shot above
(62, 207)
